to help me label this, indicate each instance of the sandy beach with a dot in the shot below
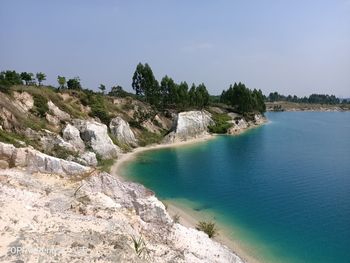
(188, 216)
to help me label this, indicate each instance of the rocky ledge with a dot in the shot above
(93, 217)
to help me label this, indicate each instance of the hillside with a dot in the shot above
(73, 124)
(56, 146)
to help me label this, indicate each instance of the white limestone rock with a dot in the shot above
(95, 135)
(23, 101)
(121, 130)
(88, 158)
(72, 135)
(57, 112)
(36, 161)
(190, 124)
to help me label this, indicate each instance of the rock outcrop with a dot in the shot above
(95, 135)
(57, 112)
(93, 220)
(240, 124)
(36, 161)
(121, 130)
(72, 135)
(189, 125)
(88, 158)
(23, 101)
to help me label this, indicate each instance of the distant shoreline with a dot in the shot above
(280, 106)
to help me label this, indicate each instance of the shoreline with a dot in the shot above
(188, 217)
(129, 156)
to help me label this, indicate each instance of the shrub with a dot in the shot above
(104, 164)
(207, 227)
(40, 103)
(176, 218)
(148, 137)
(221, 123)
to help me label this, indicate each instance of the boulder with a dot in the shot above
(95, 135)
(190, 124)
(57, 112)
(23, 101)
(72, 135)
(151, 210)
(121, 130)
(88, 158)
(50, 139)
(36, 161)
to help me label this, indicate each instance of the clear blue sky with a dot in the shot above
(298, 47)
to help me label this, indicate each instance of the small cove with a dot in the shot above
(281, 190)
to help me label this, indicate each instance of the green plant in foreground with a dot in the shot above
(140, 246)
(176, 218)
(104, 164)
(208, 227)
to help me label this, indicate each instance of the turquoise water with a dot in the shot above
(282, 189)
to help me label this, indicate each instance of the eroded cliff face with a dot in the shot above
(35, 161)
(93, 219)
(189, 125)
(240, 124)
(121, 130)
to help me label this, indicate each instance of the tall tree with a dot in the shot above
(168, 92)
(61, 82)
(145, 84)
(40, 77)
(74, 83)
(102, 88)
(10, 77)
(27, 77)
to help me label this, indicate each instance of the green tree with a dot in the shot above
(27, 77)
(182, 98)
(202, 96)
(74, 83)
(145, 84)
(10, 77)
(168, 91)
(61, 82)
(118, 91)
(40, 77)
(102, 88)
(243, 99)
(192, 95)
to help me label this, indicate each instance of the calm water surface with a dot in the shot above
(282, 189)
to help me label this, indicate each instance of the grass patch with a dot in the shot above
(207, 227)
(16, 139)
(104, 165)
(40, 103)
(124, 146)
(10, 138)
(221, 123)
(147, 138)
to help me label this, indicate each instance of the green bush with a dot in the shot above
(104, 164)
(148, 137)
(40, 103)
(207, 227)
(221, 123)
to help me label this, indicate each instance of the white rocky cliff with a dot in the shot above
(35, 161)
(95, 135)
(121, 130)
(92, 218)
(190, 125)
